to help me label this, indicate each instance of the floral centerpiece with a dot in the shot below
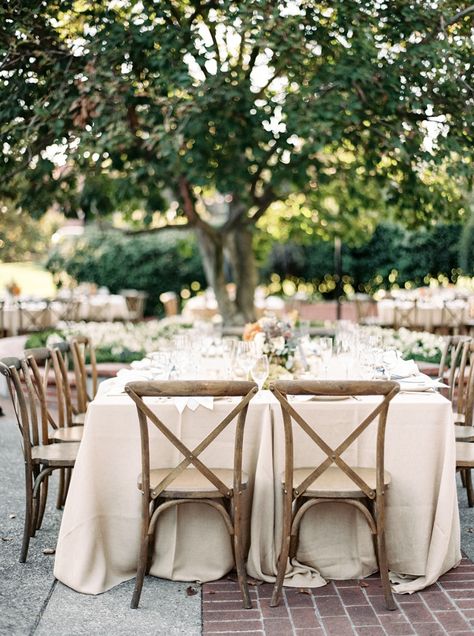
(13, 289)
(274, 337)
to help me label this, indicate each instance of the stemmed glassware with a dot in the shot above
(245, 356)
(259, 370)
(325, 351)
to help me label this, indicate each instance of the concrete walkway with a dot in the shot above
(32, 602)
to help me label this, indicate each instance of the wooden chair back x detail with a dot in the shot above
(334, 479)
(191, 480)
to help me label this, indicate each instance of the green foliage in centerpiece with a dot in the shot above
(274, 337)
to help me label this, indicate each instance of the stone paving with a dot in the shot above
(344, 608)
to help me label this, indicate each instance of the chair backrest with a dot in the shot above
(85, 367)
(62, 358)
(385, 390)
(135, 302)
(365, 307)
(34, 315)
(170, 303)
(452, 314)
(450, 363)
(31, 422)
(48, 378)
(405, 314)
(139, 390)
(464, 390)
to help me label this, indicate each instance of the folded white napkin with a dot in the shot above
(193, 402)
(402, 368)
(141, 364)
(133, 375)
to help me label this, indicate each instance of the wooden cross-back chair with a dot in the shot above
(450, 364)
(181, 483)
(40, 456)
(36, 319)
(47, 368)
(464, 428)
(66, 364)
(85, 370)
(452, 316)
(405, 314)
(333, 479)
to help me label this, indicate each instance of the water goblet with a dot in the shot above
(259, 370)
(245, 356)
(325, 351)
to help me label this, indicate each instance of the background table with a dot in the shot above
(99, 537)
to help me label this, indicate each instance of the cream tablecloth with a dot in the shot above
(98, 541)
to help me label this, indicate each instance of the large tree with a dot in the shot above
(206, 112)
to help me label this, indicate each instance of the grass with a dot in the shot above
(31, 277)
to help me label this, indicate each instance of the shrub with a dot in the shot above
(167, 261)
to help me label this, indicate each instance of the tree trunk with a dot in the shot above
(237, 246)
(211, 248)
(239, 250)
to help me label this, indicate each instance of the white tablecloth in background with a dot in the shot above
(99, 536)
(103, 307)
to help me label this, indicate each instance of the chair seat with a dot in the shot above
(464, 455)
(60, 455)
(464, 433)
(70, 434)
(192, 482)
(335, 483)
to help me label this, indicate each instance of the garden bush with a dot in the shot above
(391, 256)
(167, 261)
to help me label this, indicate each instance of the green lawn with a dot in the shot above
(30, 277)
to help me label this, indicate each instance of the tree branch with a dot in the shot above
(190, 209)
(252, 60)
(267, 198)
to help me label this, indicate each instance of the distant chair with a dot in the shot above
(453, 316)
(34, 315)
(405, 314)
(135, 303)
(170, 303)
(366, 309)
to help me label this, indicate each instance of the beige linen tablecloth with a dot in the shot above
(98, 541)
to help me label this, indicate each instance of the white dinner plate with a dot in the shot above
(419, 382)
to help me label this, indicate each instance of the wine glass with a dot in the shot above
(325, 351)
(245, 356)
(259, 370)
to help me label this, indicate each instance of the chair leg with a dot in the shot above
(42, 502)
(67, 482)
(470, 493)
(238, 555)
(284, 552)
(141, 569)
(28, 515)
(382, 560)
(463, 477)
(60, 497)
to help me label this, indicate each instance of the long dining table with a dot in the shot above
(99, 536)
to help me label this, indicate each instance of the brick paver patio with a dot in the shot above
(344, 608)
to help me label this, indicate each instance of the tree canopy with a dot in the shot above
(207, 112)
